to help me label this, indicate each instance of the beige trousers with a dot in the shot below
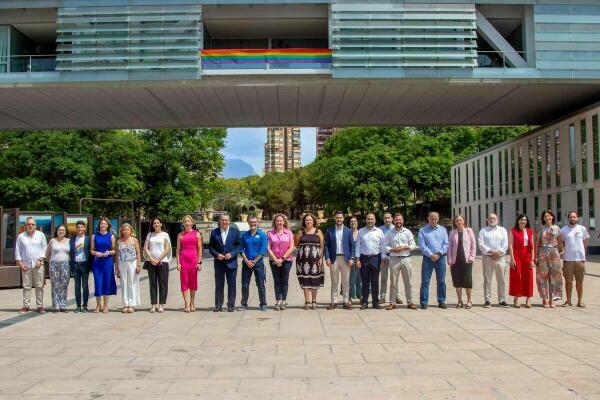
(33, 278)
(491, 267)
(340, 267)
(397, 266)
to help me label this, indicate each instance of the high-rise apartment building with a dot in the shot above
(282, 149)
(322, 135)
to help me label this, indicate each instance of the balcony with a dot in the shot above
(32, 63)
(266, 61)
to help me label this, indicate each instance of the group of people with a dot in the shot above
(363, 263)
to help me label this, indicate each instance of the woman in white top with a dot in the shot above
(58, 254)
(128, 262)
(158, 255)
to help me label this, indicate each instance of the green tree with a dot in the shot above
(183, 165)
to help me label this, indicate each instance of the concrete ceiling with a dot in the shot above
(310, 101)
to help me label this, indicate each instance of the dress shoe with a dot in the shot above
(443, 306)
(332, 306)
(411, 306)
(398, 301)
(363, 306)
(423, 306)
(348, 305)
(391, 306)
(230, 309)
(376, 306)
(218, 309)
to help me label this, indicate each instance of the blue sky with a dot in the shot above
(248, 144)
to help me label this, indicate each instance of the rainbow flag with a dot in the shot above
(265, 56)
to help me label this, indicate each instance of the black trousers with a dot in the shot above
(81, 275)
(369, 272)
(158, 276)
(223, 273)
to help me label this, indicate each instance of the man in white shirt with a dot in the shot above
(30, 252)
(575, 237)
(368, 255)
(388, 224)
(397, 245)
(493, 243)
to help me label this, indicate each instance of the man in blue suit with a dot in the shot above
(224, 246)
(339, 257)
(80, 262)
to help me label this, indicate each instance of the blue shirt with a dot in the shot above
(385, 229)
(254, 245)
(433, 240)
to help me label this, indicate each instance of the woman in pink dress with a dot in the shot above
(189, 262)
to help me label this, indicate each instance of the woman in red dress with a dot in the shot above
(521, 247)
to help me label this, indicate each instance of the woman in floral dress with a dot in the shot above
(549, 268)
(309, 261)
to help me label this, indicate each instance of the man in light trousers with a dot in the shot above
(339, 257)
(30, 252)
(397, 245)
(493, 243)
(387, 225)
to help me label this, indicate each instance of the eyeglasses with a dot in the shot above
(523, 220)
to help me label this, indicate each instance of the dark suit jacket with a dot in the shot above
(86, 249)
(347, 244)
(232, 246)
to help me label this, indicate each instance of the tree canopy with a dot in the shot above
(165, 172)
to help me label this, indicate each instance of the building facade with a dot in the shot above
(282, 149)
(194, 63)
(322, 135)
(554, 167)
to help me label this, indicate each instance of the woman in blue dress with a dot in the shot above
(103, 250)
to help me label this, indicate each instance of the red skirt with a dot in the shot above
(521, 277)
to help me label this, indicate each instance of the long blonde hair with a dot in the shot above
(122, 227)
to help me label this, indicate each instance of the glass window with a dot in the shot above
(558, 207)
(596, 150)
(479, 179)
(591, 206)
(500, 172)
(459, 188)
(548, 164)
(520, 167)
(467, 181)
(479, 216)
(501, 216)
(548, 202)
(512, 168)
(470, 216)
(492, 175)
(487, 209)
(496, 208)
(517, 206)
(3, 48)
(474, 181)
(539, 161)
(506, 171)
(531, 171)
(525, 206)
(536, 206)
(557, 156)
(485, 172)
(580, 203)
(583, 132)
(572, 153)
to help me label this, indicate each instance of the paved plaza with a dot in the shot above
(296, 354)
